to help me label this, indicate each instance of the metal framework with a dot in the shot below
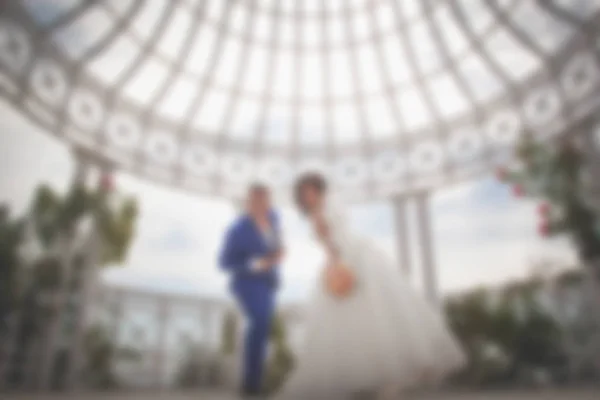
(387, 97)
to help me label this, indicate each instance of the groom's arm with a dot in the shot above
(233, 259)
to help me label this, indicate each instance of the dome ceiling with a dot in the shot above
(385, 96)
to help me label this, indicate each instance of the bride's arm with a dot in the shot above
(324, 233)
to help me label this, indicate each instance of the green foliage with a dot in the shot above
(189, 374)
(281, 362)
(554, 173)
(506, 334)
(24, 287)
(199, 368)
(118, 229)
(47, 273)
(55, 214)
(101, 354)
(11, 232)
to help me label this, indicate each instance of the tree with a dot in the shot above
(472, 320)
(55, 217)
(558, 175)
(10, 236)
(506, 334)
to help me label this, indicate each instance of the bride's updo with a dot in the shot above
(312, 180)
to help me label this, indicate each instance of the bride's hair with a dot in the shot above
(309, 179)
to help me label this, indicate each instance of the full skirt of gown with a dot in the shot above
(384, 333)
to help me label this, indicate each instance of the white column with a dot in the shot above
(426, 248)
(161, 348)
(92, 252)
(76, 352)
(401, 225)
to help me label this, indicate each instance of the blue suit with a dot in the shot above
(254, 291)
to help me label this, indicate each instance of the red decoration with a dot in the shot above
(518, 191)
(544, 228)
(107, 183)
(501, 174)
(543, 209)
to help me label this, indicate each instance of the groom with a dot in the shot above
(251, 254)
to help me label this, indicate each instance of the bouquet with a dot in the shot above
(339, 280)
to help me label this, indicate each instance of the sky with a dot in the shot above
(483, 235)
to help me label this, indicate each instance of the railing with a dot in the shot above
(156, 330)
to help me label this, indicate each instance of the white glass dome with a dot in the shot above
(386, 97)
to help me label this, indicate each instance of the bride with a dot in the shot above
(367, 330)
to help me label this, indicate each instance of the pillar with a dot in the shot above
(163, 312)
(426, 248)
(201, 325)
(76, 353)
(92, 251)
(401, 225)
(425, 245)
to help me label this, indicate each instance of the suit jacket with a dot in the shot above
(244, 243)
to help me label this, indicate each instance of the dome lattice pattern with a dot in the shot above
(386, 97)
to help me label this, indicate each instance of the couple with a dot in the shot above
(380, 338)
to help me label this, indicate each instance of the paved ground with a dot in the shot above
(584, 394)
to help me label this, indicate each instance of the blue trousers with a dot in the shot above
(257, 300)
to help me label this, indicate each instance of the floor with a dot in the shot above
(589, 394)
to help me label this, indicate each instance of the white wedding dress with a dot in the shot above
(383, 334)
